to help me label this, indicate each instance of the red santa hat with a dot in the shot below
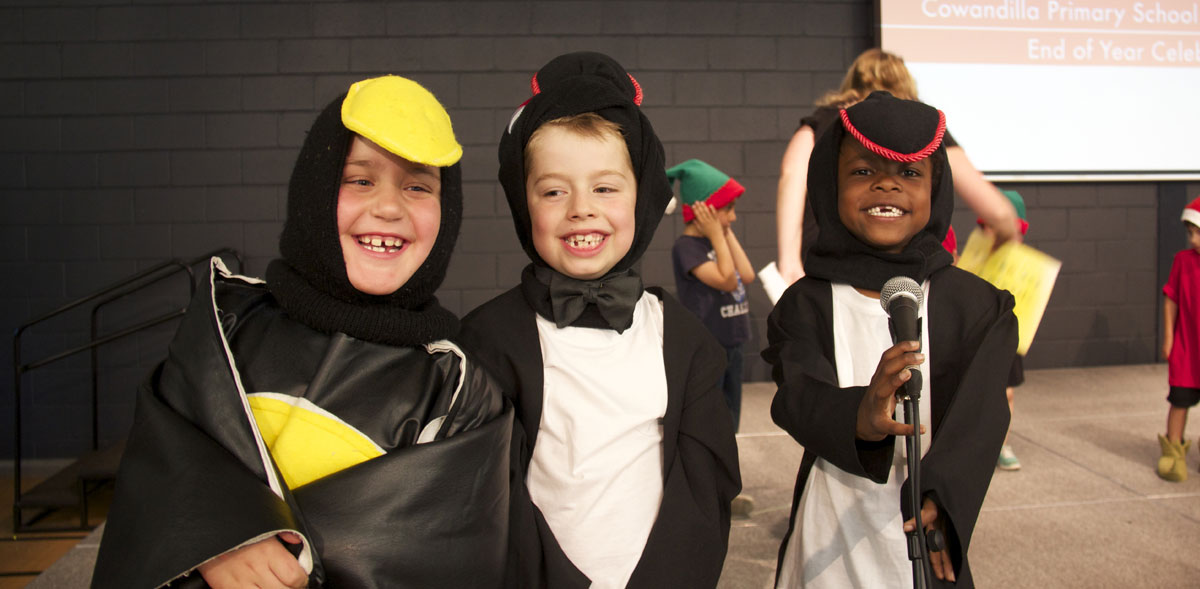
(1191, 213)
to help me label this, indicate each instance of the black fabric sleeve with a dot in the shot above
(809, 404)
(970, 409)
(1016, 375)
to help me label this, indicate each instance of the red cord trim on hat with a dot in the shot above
(892, 154)
(637, 97)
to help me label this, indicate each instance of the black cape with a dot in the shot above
(689, 539)
(196, 480)
(973, 337)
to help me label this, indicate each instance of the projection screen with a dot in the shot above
(1047, 89)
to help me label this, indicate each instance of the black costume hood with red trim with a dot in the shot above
(900, 130)
(578, 83)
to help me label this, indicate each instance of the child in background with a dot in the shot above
(711, 268)
(324, 413)
(1016, 377)
(625, 459)
(882, 194)
(1181, 346)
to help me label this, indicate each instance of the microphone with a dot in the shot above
(901, 297)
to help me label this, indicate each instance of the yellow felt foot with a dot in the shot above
(1172, 466)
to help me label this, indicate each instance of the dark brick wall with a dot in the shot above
(1105, 306)
(134, 133)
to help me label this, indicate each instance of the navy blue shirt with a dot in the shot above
(725, 314)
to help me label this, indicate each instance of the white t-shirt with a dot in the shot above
(849, 530)
(596, 472)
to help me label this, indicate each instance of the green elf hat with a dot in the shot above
(1018, 204)
(700, 182)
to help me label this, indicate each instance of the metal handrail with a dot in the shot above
(97, 341)
(100, 298)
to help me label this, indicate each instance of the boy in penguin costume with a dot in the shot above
(322, 428)
(882, 194)
(624, 457)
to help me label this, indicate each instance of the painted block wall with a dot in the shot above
(135, 132)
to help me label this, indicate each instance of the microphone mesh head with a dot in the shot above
(902, 286)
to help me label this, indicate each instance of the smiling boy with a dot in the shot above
(711, 270)
(321, 428)
(881, 201)
(882, 196)
(384, 239)
(625, 461)
(581, 193)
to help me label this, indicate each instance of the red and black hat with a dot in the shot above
(909, 139)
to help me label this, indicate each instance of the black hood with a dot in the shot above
(901, 130)
(578, 83)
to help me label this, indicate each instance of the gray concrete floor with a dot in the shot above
(1085, 510)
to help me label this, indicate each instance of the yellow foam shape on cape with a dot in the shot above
(402, 117)
(306, 441)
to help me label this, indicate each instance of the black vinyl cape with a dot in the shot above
(689, 539)
(973, 338)
(196, 481)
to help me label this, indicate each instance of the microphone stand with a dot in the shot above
(917, 548)
(916, 539)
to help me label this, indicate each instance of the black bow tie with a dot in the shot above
(614, 297)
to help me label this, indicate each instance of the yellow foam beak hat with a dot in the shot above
(402, 117)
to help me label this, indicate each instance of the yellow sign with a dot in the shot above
(1021, 270)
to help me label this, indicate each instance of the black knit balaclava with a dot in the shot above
(310, 280)
(896, 129)
(574, 84)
